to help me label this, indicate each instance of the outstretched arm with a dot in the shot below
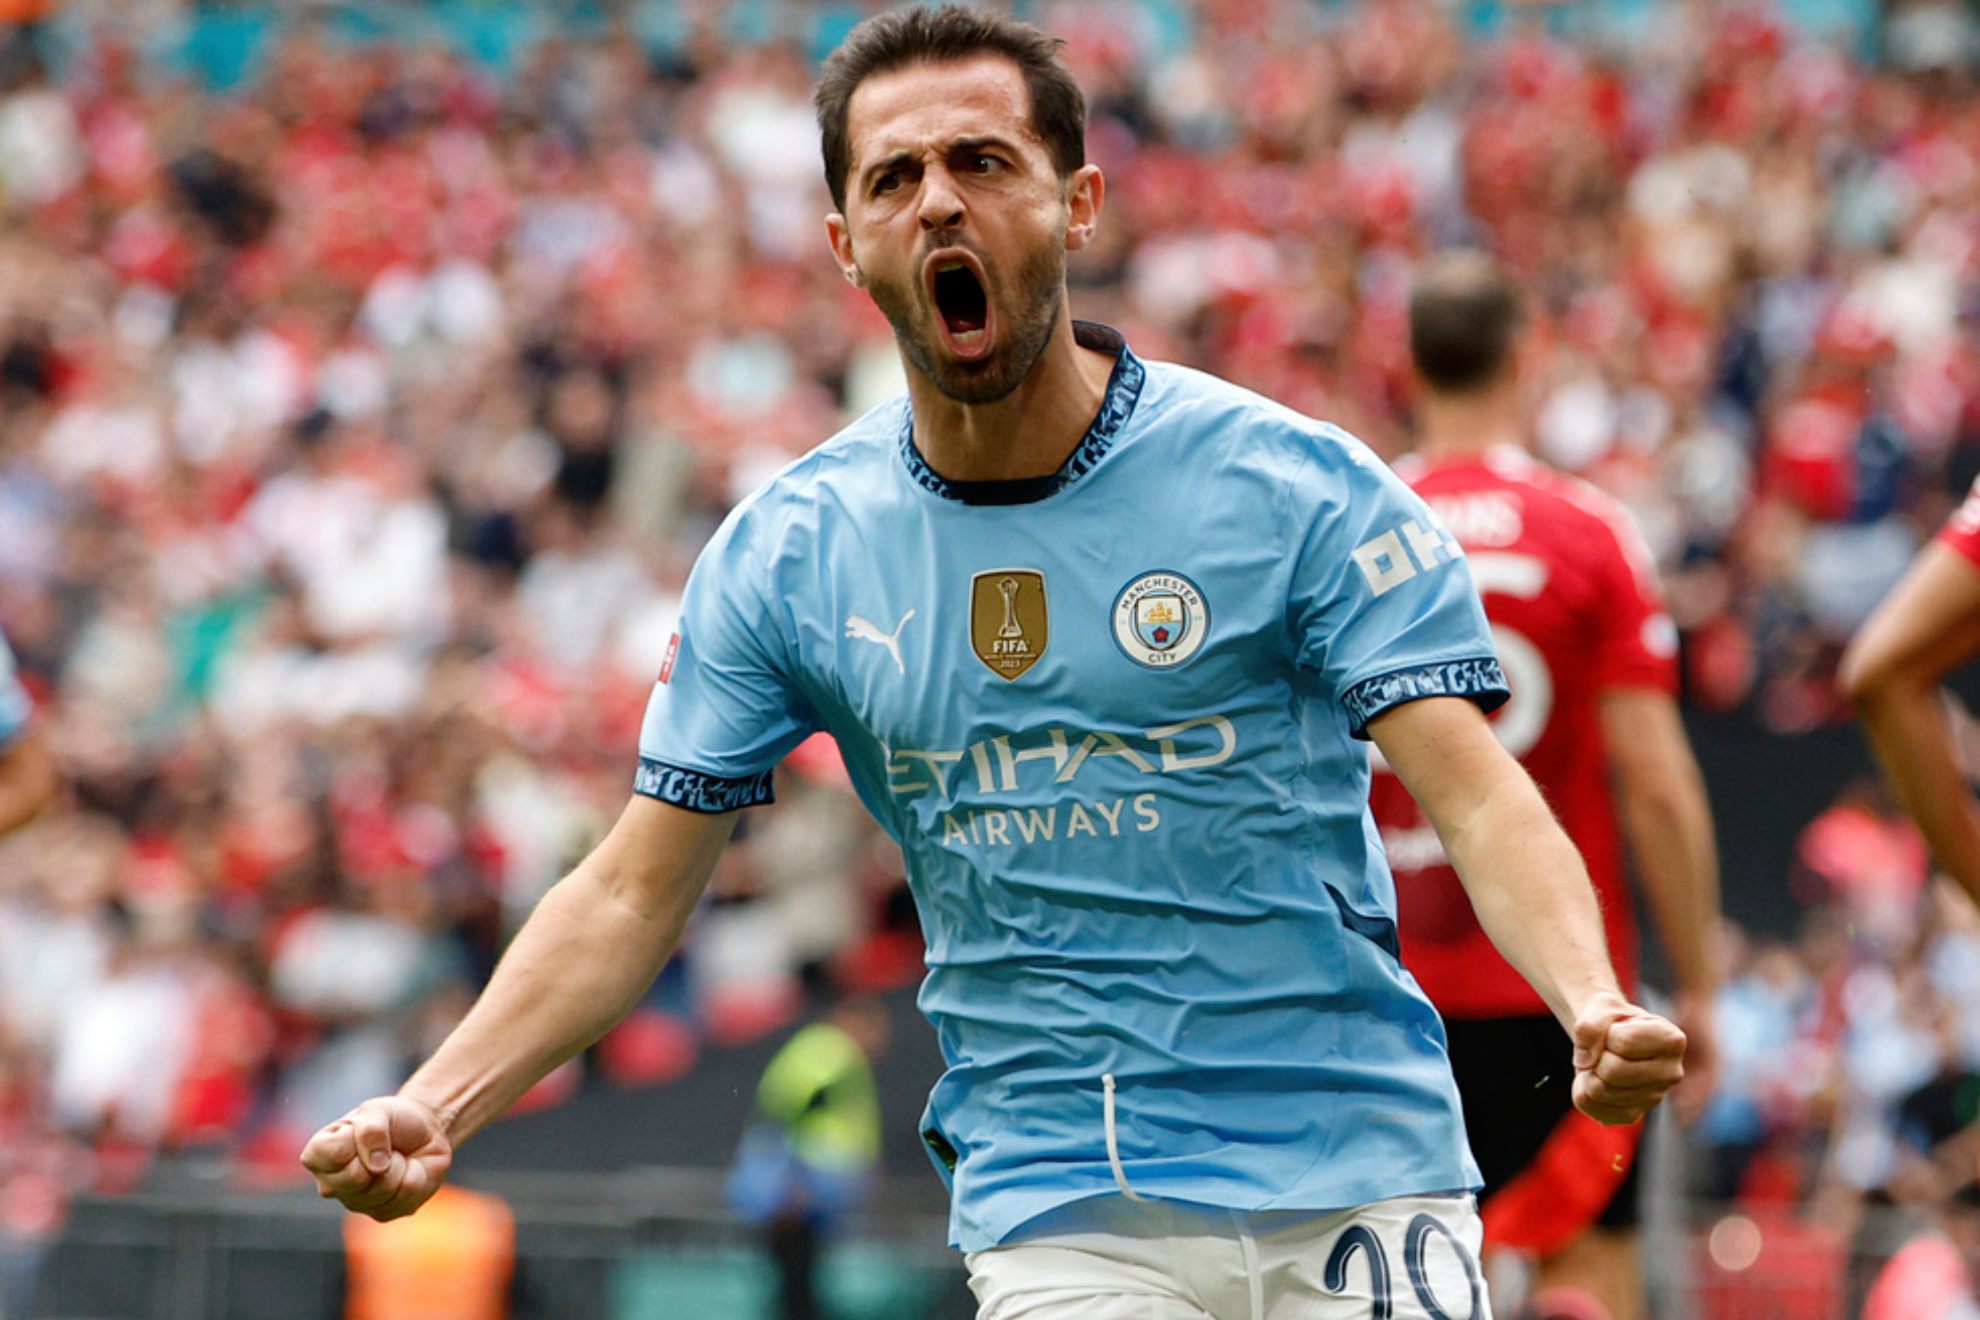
(1533, 897)
(589, 950)
(1928, 626)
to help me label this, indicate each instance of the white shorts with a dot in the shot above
(1412, 1258)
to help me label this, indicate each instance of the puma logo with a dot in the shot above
(868, 631)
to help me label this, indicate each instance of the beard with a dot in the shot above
(1021, 335)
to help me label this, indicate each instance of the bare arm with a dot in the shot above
(1532, 895)
(28, 780)
(1928, 626)
(1661, 799)
(580, 962)
(1660, 796)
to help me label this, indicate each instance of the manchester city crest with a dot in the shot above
(1160, 620)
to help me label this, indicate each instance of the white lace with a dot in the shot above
(1113, 1141)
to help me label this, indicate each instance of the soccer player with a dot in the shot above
(1928, 626)
(1099, 639)
(1590, 656)
(28, 779)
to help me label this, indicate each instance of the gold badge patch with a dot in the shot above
(1008, 622)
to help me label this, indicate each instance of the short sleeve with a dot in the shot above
(725, 708)
(1637, 646)
(1962, 531)
(1381, 602)
(15, 704)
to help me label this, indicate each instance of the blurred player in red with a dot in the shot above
(1928, 626)
(1590, 656)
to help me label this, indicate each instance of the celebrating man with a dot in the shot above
(1099, 639)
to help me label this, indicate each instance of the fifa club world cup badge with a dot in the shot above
(1160, 620)
(1009, 624)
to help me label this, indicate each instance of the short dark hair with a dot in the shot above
(1464, 313)
(895, 40)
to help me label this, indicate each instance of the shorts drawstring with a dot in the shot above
(1113, 1140)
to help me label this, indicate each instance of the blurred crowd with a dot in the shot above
(357, 430)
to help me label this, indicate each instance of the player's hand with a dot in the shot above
(1625, 1059)
(383, 1159)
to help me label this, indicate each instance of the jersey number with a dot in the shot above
(1360, 1240)
(1524, 717)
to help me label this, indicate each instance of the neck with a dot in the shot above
(1027, 433)
(1465, 425)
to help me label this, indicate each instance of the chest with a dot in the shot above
(1047, 630)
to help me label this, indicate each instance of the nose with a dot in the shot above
(941, 201)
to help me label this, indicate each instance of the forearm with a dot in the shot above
(589, 950)
(1913, 741)
(28, 781)
(1677, 861)
(1531, 893)
(1660, 797)
(1928, 626)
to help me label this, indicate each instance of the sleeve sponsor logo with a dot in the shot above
(1387, 564)
(667, 665)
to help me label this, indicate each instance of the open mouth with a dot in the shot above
(956, 287)
(960, 299)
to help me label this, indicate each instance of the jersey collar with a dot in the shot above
(1116, 406)
(1505, 458)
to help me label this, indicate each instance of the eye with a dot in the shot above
(887, 183)
(982, 162)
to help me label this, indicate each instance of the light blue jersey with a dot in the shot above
(15, 704)
(1111, 717)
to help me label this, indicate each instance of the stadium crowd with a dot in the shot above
(357, 430)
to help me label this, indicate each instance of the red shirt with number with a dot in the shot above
(1962, 530)
(1575, 611)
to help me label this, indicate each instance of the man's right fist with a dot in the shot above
(383, 1159)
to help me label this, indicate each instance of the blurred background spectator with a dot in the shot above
(810, 1150)
(371, 374)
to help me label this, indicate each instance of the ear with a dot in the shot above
(1085, 193)
(840, 238)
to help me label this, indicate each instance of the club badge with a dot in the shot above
(1160, 620)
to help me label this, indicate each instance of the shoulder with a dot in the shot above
(1581, 507)
(1962, 530)
(854, 460)
(1591, 522)
(1609, 519)
(1250, 430)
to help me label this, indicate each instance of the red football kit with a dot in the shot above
(1575, 612)
(1962, 530)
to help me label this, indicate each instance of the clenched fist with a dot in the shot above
(1625, 1059)
(383, 1159)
